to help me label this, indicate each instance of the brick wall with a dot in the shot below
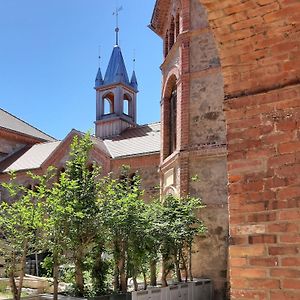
(264, 194)
(259, 46)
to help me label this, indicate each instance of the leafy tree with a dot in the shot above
(179, 225)
(20, 220)
(50, 193)
(121, 203)
(78, 192)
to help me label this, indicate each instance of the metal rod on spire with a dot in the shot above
(99, 56)
(116, 13)
(133, 60)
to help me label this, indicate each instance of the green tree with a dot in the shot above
(78, 192)
(20, 220)
(122, 204)
(50, 193)
(179, 224)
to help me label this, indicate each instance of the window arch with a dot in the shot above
(171, 33)
(127, 105)
(166, 48)
(170, 116)
(173, 121)
(108, 104)
(177, 25)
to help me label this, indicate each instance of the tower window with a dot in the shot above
(177, 25)
(109, 104)
(173, 122)
(127, 105)
(166, 46)
(171, 33)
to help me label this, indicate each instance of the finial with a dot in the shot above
(99, 56)
(116, 13)
(133, 60)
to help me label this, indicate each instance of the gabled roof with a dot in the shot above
(12, 123)
(135, 141)
(116, 71)
(33, 158)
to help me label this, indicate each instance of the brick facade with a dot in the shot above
(259, 44)
(192, 63)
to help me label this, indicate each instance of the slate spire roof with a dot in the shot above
(99, 79)
(116, 71)
(133, 81)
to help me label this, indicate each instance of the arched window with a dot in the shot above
(169, 138)
(166, 47)
(108, 104)
(127, 105)
(171, 33)
(177, 25)
(173, 121)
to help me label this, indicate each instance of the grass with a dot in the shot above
(7, 295)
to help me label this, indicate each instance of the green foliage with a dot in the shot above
(20, 220)
(101, 227)
(47, 266)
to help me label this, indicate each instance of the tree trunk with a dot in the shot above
(23, 265)
(164, 272)
(116, 277)
(153, 279)
(79, 273)
(13, 286)
(121, 265)
(177, 267)
(145, 280)
(135, 283)
(55, 276)
(184, 265)
(11, 273)
(190, 263)
(123, 280)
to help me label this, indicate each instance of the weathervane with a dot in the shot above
(116, 13)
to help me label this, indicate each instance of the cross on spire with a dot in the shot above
(116, 13)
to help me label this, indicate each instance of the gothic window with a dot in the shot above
(177, 25)
(108, 104)
(171, 34)
(173, 122)
(166, 48)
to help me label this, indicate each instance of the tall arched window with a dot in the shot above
(171, 33)
(166, 48)
(108, 104)
(173, 121)
(177, 25)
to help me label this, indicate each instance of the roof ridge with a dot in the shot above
(144, 125)
(28, 124)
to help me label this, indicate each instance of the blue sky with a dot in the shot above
(49, 59)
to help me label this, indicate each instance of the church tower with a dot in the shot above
(115, 97)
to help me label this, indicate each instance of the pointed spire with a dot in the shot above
(99, 78)
(133, 81)
(116, 71)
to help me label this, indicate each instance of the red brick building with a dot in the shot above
(229, 134)
(257, 43)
